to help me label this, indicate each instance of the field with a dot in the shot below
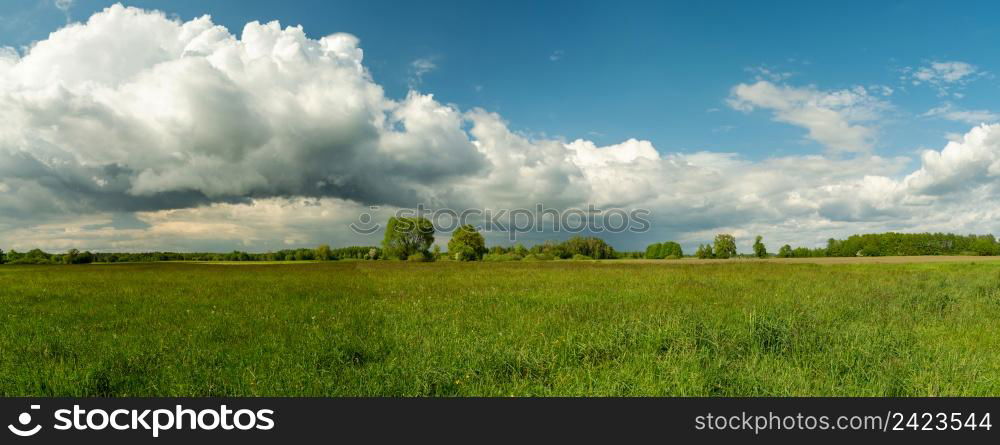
(736, 328)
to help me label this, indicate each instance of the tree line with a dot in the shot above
(321, 253)
(412, 239)
(895, 244)
(873, 244)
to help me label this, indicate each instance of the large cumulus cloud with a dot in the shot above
(145, 112)
(201, 139)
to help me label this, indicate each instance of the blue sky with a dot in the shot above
(608, 71)
(131, 129)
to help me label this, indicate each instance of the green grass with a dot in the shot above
(500, 329)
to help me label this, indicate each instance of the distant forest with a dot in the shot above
(881, 244)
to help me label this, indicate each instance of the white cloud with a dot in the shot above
(557, 55)
(189, 112)
(945, 76)
(950, 112)
(964, 164)
(837, 119)
(763, 73)
(193, 139)
(884, 90)
(947, 72)
(420, 67)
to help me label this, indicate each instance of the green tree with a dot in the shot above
(70, 257)
(758, 247)
(323, 253)
(436, 252)
(74, 256)
(593, 247)
(466, 244)
(871, 248)
(3, 258)
(671, 249)
(725, 246)
(653, 251)
(801, 252)
(704, 251)
(984, 246)
(304, 255)
(785, 251)
(407, 236)
(520, 250)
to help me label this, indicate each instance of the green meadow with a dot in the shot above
(557, 328)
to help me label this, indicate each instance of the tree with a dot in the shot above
(671, 249)
(834, 247)
(407, 236)
(984, 246)
(653, 251)
(785, 251)
(436, 252)
(725, 246)
(659, 251)
(3, 258)
(758, 247)
(466, 244)
(520, 250)
(704, 251)
(323, 253)
(593, 247)
(74, 256)
(303, 255)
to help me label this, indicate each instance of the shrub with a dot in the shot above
(31, 260)
(539, 257)
(579, 257)
(420, 257)
(463, 254)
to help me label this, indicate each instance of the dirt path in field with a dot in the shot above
(834, 260)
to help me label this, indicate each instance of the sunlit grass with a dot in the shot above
(500, 329)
